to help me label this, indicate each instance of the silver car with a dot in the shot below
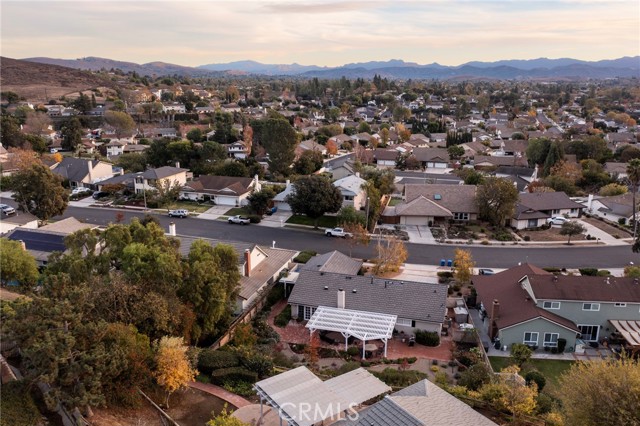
(7, 209)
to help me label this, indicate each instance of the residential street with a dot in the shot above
(302, 239)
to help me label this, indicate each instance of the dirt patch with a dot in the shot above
(609, 229)
(551, 234)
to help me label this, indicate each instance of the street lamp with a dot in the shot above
(367, 222)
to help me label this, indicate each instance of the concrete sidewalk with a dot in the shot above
(601, 235)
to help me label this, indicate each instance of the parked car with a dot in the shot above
(100, 194)
(241, 220)
(179, 213)
(80, 190)
(272, 210)
(465, 326)
(337, 232)
(486, 271)
(557, 220)
(7, 209)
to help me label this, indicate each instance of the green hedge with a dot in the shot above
(210, 360)
(17, 406)
(427, 338)
(283, 318)
(304, 256)
(233, 375)
(396, 378)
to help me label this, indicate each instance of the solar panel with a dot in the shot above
(39, 241)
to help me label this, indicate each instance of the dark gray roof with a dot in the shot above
(125, 179)
(74, 169)
(333, 262)
(383, 413)
(548, 201)
(39, 241)
(162, 172)
(406, 299)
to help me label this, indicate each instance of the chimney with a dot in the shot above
(177, 164)
(589, 202)
(495, 314)
(357, 174)
(90, 167)
(24, 246)
(288, 183)
(172, 229)
(247, 262)
(341, 299)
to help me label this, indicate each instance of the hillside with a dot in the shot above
(40, 82)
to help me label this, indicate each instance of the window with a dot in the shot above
(348, 197)
(555, 212)
(574, 211)
(404, 322)
(461, 216)
(308, 312)
(551, 340)
(589, 333)
(530, 338)
(590, 306)
(551, 305)
(620, 305)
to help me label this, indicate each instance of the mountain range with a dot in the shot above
(562, 68)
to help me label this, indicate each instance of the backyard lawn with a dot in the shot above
(323, 222)
(552, 369)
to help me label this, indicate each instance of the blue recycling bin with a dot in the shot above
(449, 262)
(443, 262)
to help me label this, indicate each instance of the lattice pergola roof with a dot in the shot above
(630, 330)
(359, 324)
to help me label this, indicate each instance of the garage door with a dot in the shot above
(415, 220)
(226, 201)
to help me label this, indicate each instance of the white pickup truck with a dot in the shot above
(239, 220)
(337, 232)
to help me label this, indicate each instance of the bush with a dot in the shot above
(281, 360)
(353, 351)
(265, 333)
(17, 406)
(275, 295)
(503, 236)
(349, 366)
(283, 318)
(527, 238)
(397, 378)
(427, 338)
(233, 375)
(536, 377)
(445, 274)
(258, 363)
(589, 272)
(475, 376)
(562, 343)
(210, 360)
(520, 353)
(603, 273)
(622, 221)
(304, 256)
(254, 218)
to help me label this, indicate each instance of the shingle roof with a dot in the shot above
(385, 154)
(431, 154)
(67, 226)
(406, 299)
(334, 261)
(501, 160)
(351, 183)
(422, 206)
(548, 201)
(74, 169)
(455, 198)
(261, 273)
(37, 240)
(162, 172)
(515, 304)
(221, 185)
(592, 289)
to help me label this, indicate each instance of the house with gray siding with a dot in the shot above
(526, 304)
(418, 305)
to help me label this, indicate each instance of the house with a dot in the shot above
(334, 261)
(311, 145)
(432, 158)
(164, 132)
(167, 175)
(512, 147)
(434, 204)
(616, 170)
(115, 148)
(174, 108)
(259, 266)
(533, 209)
(439, 138)
(341, 139)
(491, 161)
(238, 150)
(528, 305)
(222, 190)
(616, 208)
(127, 180)
(280, 200)
(418, 305)
(385, 157)
(17, 220)
(343, 170)
(352, 191)
(83, 173)
(421, 404)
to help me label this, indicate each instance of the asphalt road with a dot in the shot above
(303, 239)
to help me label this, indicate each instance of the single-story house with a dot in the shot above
(352, 191)
(616, 170)
(528, 305)
(385, 157)
(334, 261)
(432, 158)
(311, 145)
(418, 305)
(614, 208)
(490, 161)
(223, 190)
(83, 173)
(534, 208)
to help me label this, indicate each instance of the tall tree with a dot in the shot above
(71, 134)
(554, 156)
(173, 369)
(10, 134)
(166, 191)
(279, 139)
(17, 264)
(314, 196)
(260, 201)
(37, 122)
(310, 161)
(463, 264)
(121, 122)
(390, 256)
(38, 191)
(497, 198)
(633, 173)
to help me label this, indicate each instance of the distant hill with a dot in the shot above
(96, 64)
(37, 81)
(253, 67)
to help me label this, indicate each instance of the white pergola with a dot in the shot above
(350, 323)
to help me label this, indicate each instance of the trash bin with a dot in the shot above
(449, 262)
(443, 262)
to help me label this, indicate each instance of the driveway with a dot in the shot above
(214, 212)
(601, 235)
(276, 220)
(420, 234)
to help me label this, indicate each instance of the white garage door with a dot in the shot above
(226, 201)
(415, 220)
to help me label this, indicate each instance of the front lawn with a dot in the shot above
(552, 369)
(323, 222)
(242, 211)
(192, 206)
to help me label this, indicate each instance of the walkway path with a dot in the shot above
(231, 398)
(604, 237)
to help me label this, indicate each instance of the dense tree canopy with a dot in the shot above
(497, 198)
(40, 192)
(314, 196)
(17, 264)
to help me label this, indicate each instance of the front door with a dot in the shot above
(589, 333)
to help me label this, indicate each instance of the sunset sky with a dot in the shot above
(191, 33)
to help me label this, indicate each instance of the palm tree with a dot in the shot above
(633, 173)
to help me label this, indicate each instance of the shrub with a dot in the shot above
(562, 343)
(396, 378)
(427, 338)
(485, 242)
(304, 256)
(254, 218)
(349, 366)
(445, 274)
(475, 376)
(281, 360)
(233, 375)
(527, 238)
(353, 351)
(589, 272)
(520, 353)
(622, 221)
(434, 368)
(603, 273)
(365, 364)
(264, 332)
(258, 363)
(283, 318)
(503, 236)
(275, 295)
(536, 377)
(544, 404)
(17, 406)
(210, 360)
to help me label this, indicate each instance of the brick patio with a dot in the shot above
(295, 332)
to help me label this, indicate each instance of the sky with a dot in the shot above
(319, 32)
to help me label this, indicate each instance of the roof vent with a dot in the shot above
(326, 287)
(635, 281)
(347, 277)
(555, 278)
(608, 280)
(321, 273)
(437, 197)
(354, 290)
